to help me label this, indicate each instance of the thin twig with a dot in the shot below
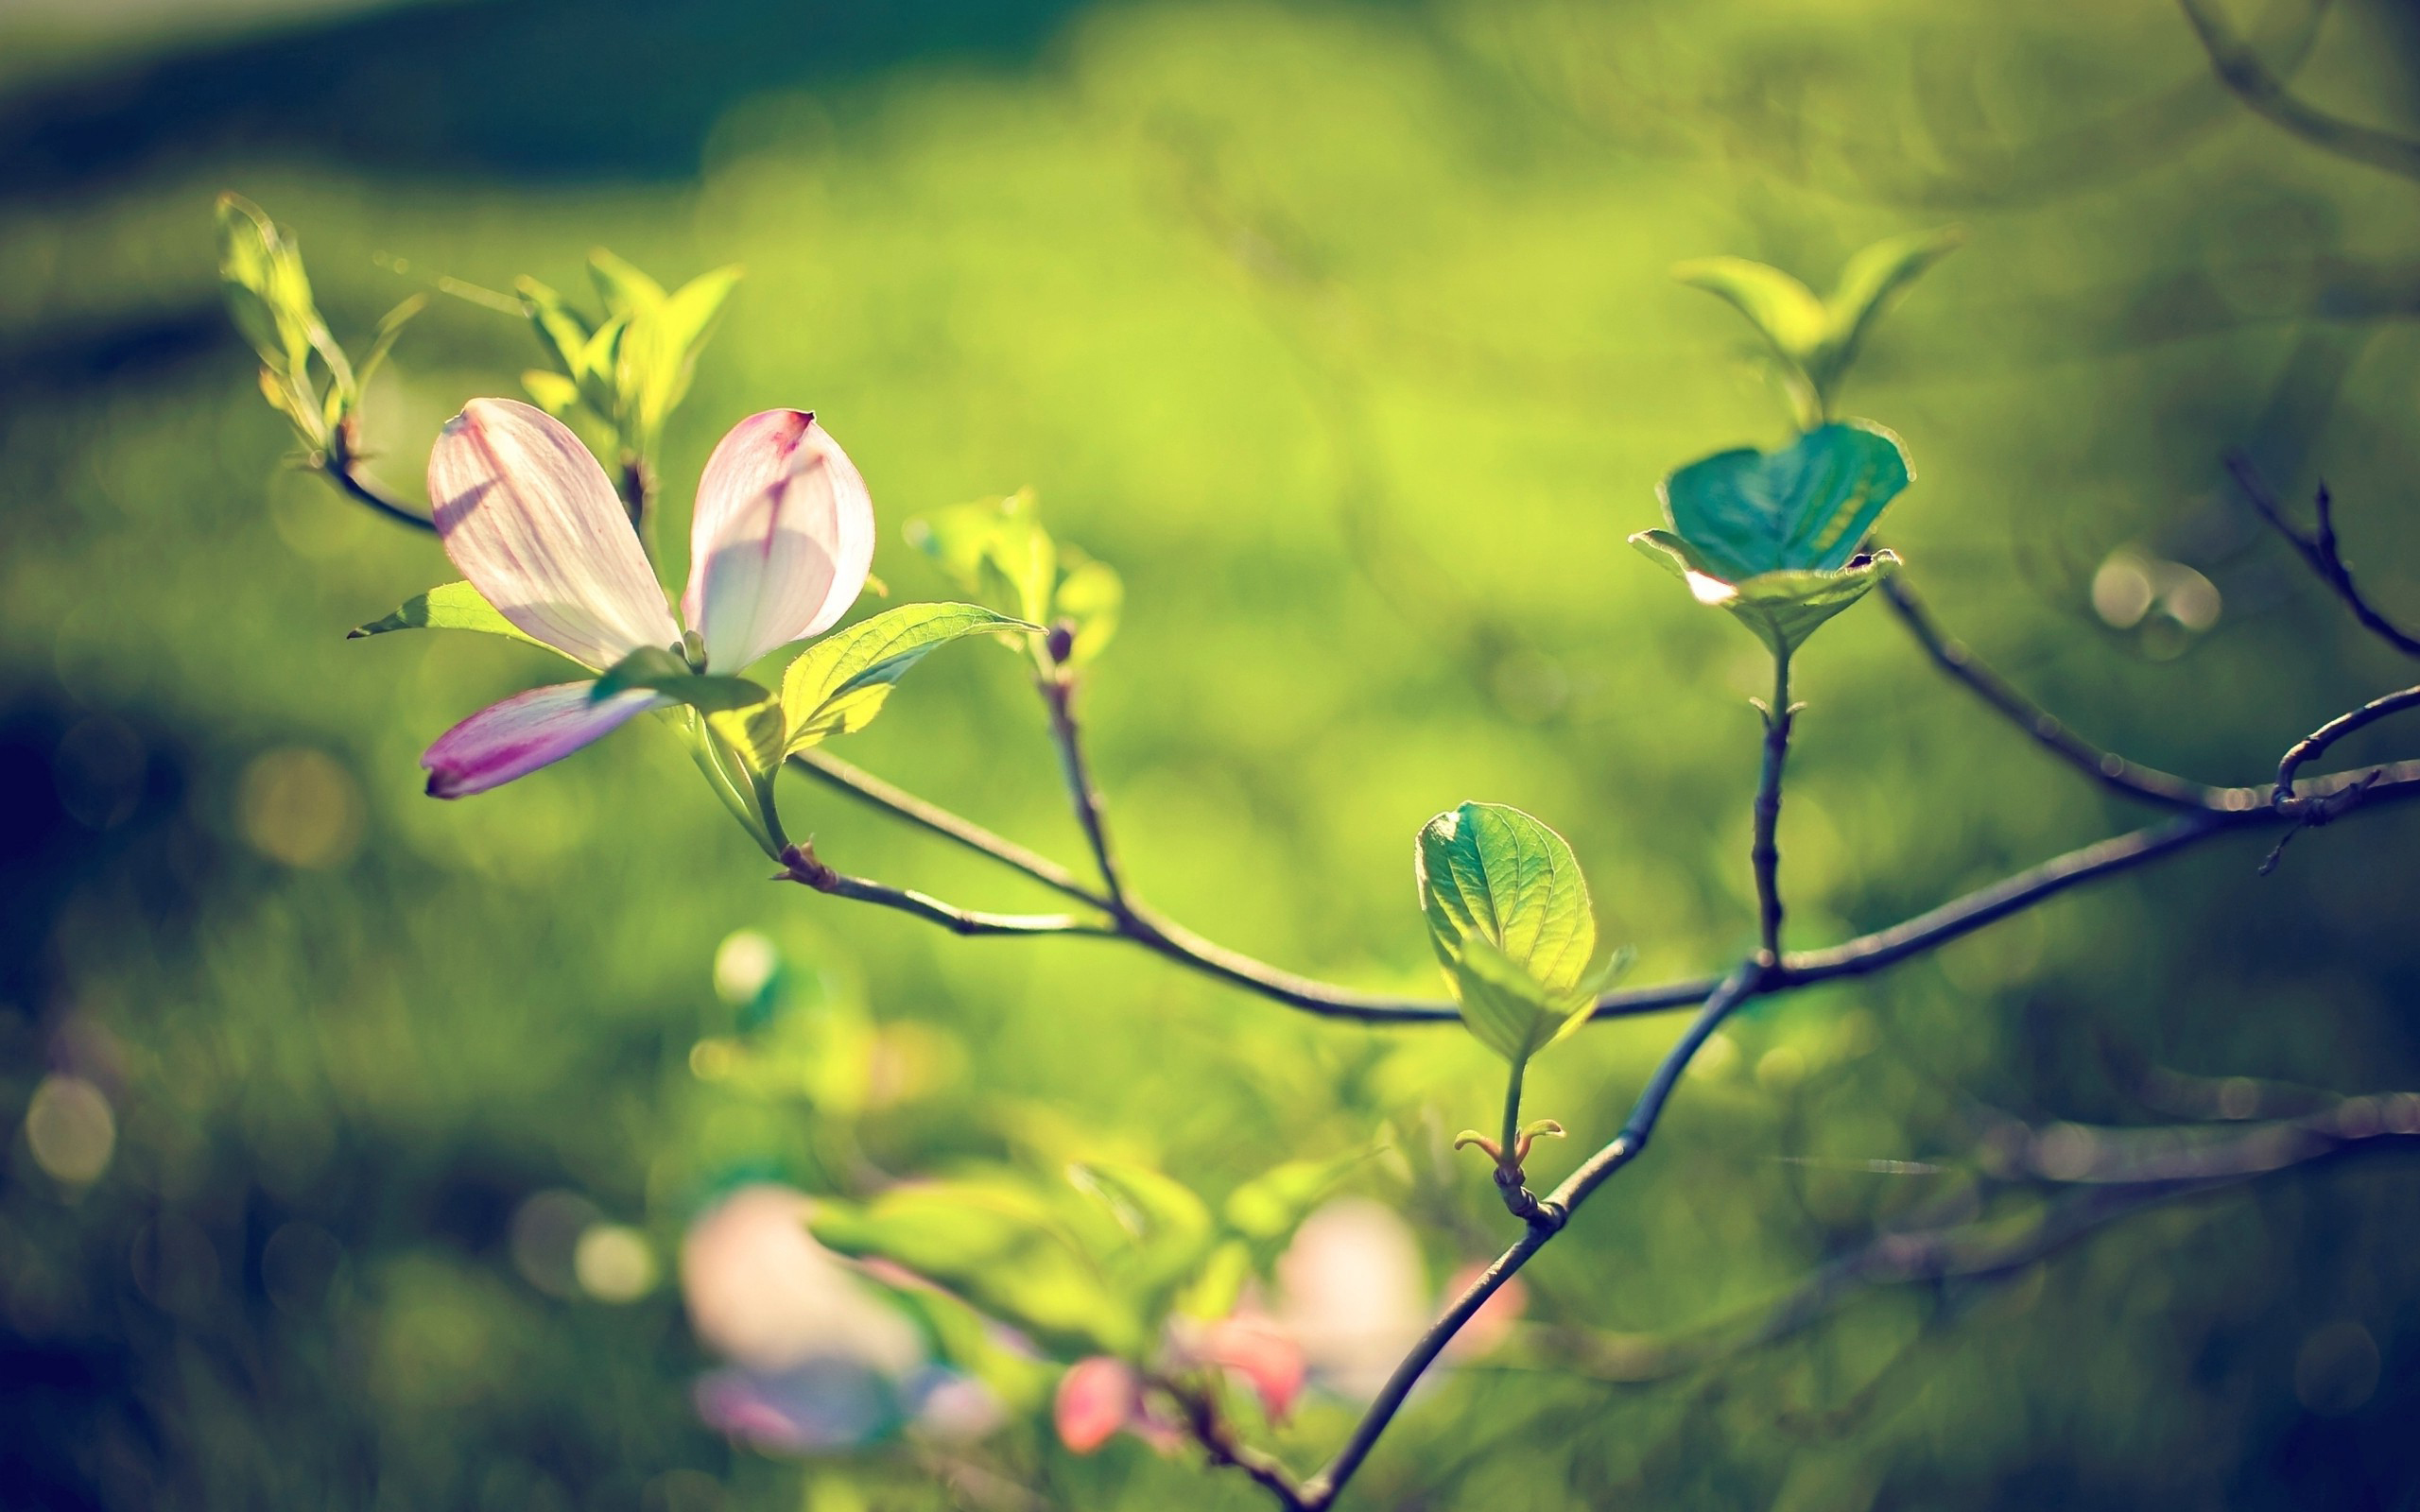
(2310, 746)
(1058, 686)
(346, 476)
(859, 783)
(2248, 79)
(1143, 926)
(1555, 1212)
(2108, 768)
(2319, 548)
(804, 868)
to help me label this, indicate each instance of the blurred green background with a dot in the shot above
(374, 1124)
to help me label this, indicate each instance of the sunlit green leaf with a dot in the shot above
(996, 549)
(1866, 287)
(551, 391)
(624, 290)
(448, 607)
(1167, 1229)
(1510, 1011)
(963, 1339)
(999, 1247)
(560, 329)
(1510, 918)
(1803, 508)
(1090, 597)
(838, 684)
(382, 341)
(1782, 607)
(1784, 311)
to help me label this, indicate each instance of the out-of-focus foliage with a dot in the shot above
(368, 1151)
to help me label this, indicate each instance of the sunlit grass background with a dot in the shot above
(1345, 332)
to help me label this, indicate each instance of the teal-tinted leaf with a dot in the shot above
(997, 1245)
(1492, 872)
(1805, 507)
(1783, 310)
(1782, 607)
(1866, 287)
(448, 607)
(838, 684)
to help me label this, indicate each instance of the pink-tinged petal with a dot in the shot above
(524, 732)
(528, 516)
(1096, 1398)
(782, 539)
(1259, 1348)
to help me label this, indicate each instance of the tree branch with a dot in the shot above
(2248, 79)
(2318, 547)
(2111, 770)
(345, 475)
(2310, 746)
(1058, 687)
(1554, 1212)
(804, 868)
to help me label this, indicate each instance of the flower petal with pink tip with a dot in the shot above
(1259, 1348)
(524, 732)
(530, 519)
(782, 538)
(1097, 1397)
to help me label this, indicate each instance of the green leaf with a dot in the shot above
(1803, 508)
(1867, 285)
(1510, 1011)
(624, 290)
(552, 392)
(1783, 310)
(996, 549)
(658, 670)
(1218, 1284)
(838, 684)
(1782, 607)
(959, 1337)
(248, 243)
(382, 341)
(1089, 597)
(1492, 872)
(1509, 919)
(1167, 1227)
(448, 607)
(1271, 1206)
(997, 1246)
(560, 329)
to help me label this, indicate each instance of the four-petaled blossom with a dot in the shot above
(779, 549)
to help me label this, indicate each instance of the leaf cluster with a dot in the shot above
(627, 368)
(305, 374)
(997, 551)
